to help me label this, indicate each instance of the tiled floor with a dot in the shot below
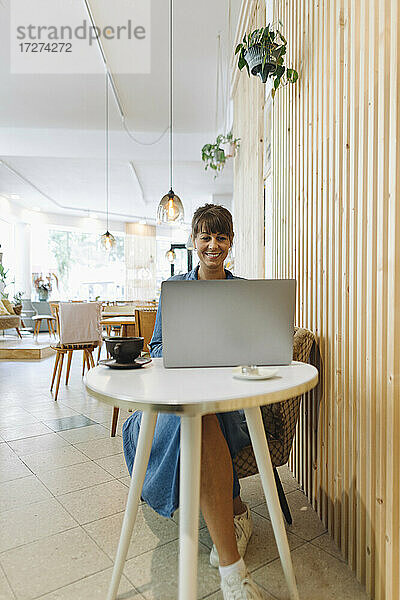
(63, 488)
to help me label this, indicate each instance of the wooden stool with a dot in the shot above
(50, 324)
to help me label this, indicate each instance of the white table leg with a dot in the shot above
(143, 450)
(189, 500)
(263, 458)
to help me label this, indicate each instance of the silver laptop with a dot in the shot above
(227, 323)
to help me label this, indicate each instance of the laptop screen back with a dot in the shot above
(227, 322)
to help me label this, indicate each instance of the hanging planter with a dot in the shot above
(214, 155)
(260, 62)
(262, 53)
(229, 149)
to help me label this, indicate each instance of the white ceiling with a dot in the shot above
(52, 126)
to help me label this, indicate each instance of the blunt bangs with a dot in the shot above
(212, 218)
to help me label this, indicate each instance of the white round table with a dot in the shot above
(192, 393)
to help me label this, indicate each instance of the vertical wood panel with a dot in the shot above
(392, 574)
(336, 229)
(361, 286)
(248, 196)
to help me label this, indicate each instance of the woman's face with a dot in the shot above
(212, 249)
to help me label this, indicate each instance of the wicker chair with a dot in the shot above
(280, 422)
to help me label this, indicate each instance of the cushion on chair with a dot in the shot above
(79, 322)
(8, 306)
(43, 317)
(9, 321)
(3, 310)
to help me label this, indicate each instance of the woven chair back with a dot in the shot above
(279, 419)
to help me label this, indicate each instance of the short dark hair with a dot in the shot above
(213, 219)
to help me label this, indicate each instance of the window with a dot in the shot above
(83, 269)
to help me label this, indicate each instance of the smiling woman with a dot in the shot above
(223, 435)
(212, 236)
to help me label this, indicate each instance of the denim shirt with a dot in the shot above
(161, 484)
(156, 340)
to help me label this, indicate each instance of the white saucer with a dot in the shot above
(263, 373)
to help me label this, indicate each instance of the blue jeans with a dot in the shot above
(161, 483)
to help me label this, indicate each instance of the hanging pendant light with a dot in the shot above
(107, 240)
(189, 243)
(170, 210)
(170, 255)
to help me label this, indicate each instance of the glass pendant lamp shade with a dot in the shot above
(170, 256)
(107, 240)
(170, 210)
(189, 243)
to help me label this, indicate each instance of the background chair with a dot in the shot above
(43, 314)
(280, 422)
(26, 314)
(118, 310)
(145, 319)
(9, 321)
(78, 325)
(54, 312)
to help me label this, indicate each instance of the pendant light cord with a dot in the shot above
(229, 52)
(170, 90)
(217, 81)
(107, 157)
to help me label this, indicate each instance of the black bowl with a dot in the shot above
(124, 349)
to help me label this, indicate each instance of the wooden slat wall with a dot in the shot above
(336, 229)
(248, 179)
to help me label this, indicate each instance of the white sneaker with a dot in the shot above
(234, 587)
(243, 529)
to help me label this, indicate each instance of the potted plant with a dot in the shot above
(3, 277)
(44, 290)
(215, 155)
(262, 53)
(18, 302)
(43, 287)
(230, 145)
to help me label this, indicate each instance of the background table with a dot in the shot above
(192, 393)
(127, 324)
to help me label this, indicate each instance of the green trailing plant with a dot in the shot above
(262, 52)
(3, 274)
(214, 156)
(3, 284)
